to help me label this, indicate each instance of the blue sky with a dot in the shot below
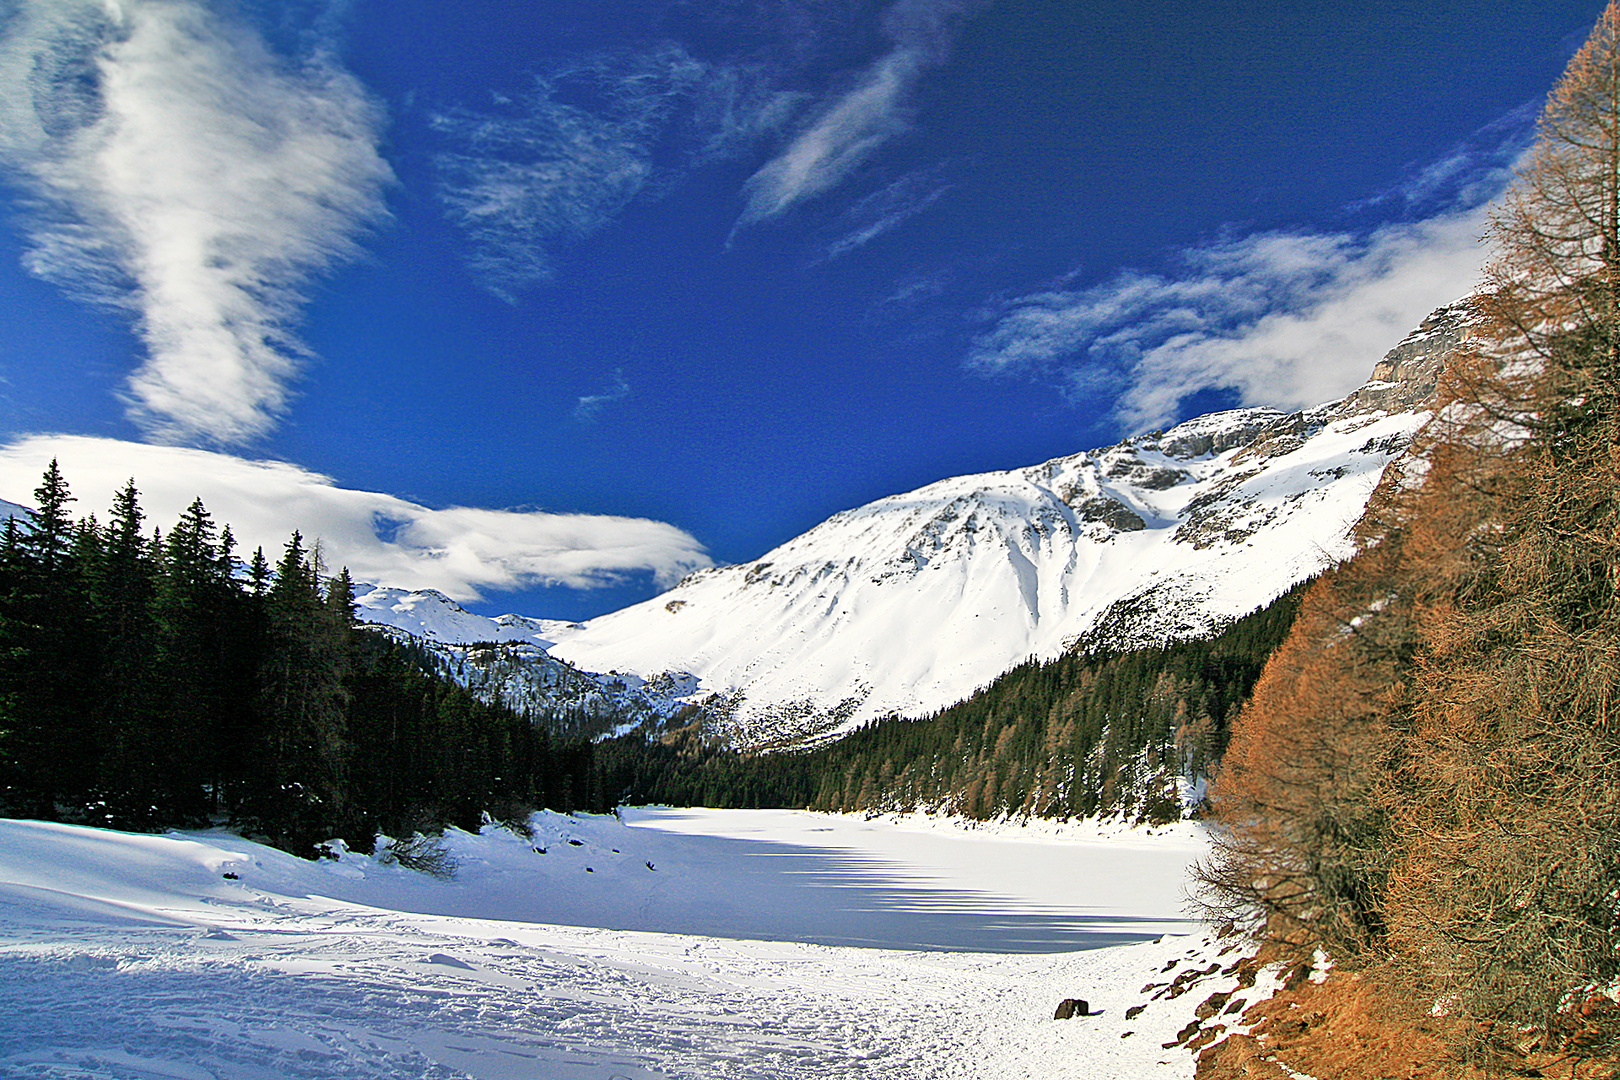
(544, 304)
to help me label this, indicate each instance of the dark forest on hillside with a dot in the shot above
(151, 680)
(1089, 733)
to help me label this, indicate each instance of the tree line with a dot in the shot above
(1092, 733)
(152, 680)
(1427, 781)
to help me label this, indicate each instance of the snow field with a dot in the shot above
(136, 956)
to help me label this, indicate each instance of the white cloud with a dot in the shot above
(591, 405)
(887, 208)
(1332, 307)
(873, 111)
(461, 551)
(1287, 319)
(181, 171)
(560, 162)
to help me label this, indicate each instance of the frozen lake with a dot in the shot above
(681, 943)
(911, 883)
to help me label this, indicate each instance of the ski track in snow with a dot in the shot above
(134, 957)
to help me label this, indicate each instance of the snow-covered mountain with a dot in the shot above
(505, 659)
(910, 603)
(432, 616)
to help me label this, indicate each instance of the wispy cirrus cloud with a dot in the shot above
(554, 164)
(532, 171)
(875, 109)
(180, 170)
(1471, 173)
(1287, 318)
(887, 208)
(461, 551)
(590, 406)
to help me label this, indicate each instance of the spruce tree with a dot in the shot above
(47, 663)
(131, 691)
(298, 796)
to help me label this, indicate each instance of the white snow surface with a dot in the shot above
(912, 603)
(433, 616)
(769, 944)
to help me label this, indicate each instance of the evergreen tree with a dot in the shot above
(259, 573)
(126, 710)
(50, 526)
(46, 665)
(299, 798)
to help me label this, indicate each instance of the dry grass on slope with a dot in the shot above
(1347, 1029)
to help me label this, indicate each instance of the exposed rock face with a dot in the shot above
(1113, 513)
(1406, 377)
(1069, 1008)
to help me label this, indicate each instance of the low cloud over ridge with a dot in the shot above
(1285, 318)
(461, 551)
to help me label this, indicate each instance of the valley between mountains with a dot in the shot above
(459, 933)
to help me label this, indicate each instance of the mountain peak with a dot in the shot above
(912, 602)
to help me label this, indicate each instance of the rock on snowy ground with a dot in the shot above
(756, 944)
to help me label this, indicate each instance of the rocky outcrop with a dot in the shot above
(1407, 375)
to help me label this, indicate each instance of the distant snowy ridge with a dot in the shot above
(432, 616)
(911, 603)
(504, 659)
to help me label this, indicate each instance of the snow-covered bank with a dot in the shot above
(142, 956)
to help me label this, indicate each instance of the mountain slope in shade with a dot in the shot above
(505, 659)
(911, 603)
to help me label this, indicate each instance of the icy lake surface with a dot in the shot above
(663, 943)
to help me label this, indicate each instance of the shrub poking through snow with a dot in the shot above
(423, 852)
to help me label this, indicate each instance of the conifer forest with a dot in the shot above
(154, 680)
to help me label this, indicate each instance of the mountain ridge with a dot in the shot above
(912, 602)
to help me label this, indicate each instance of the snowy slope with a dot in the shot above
(203, 956)
(432, 616)
(911, 603)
